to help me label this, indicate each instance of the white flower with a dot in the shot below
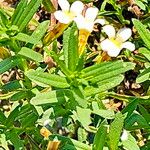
(87, 22)
(68, 13)
(124, 135)
(46, 122)
(116, 41)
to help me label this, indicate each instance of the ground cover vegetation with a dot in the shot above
(75, 75)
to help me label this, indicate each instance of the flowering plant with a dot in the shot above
(65, 81)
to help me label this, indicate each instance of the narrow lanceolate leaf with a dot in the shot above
(106, 67)
(99, 139)
(104, 85)
(2, 117)
(8, 63)
(70, 47)
(18, 11)
(56, 96)
(136, 121)
(105, 71)
(40, 31)
(115, 131)
(36, 35)
(31, 54)
(145, 52)
(47, 79)
(145, 75)
(143, 32)
(27, 14)
(130, 108)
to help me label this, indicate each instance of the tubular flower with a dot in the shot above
(85, 25)
(68, 13)
(65, 17)
(87, 22)
(116, 41)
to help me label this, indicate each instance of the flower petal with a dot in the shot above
(82, 23)
(100, 21)
(77, 7)
(124, 34)
(110, 31)
(130, 46)
(62, 17)
(108, 46)
(64, 5)
(124, 135)
(91, 13)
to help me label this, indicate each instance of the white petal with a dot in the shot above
(124, 135)
(108, 46)
(130, 46)
(77, 7)
(91, 13)
(62, 17)
(110, 31)
(124, 34)
(46, 122)
(64, 5)
(100, 21)
(79, 21)
(82, 23)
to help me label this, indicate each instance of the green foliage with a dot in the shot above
(50, 94)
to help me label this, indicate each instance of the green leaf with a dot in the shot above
(31, 54)
(140, 4)
(145, 75)
(55, 96)
(141, 100)
(20, 96)
(27, 13)
(70, 47)
(11, 86)
(100, 137)
(130, 143)
(47, 79)
(40, 31)
(3, 18)
(105, 71)
(24, 38)
(143, 32)
(130, 108)
(108, 114)
(115, 131)
(79, 96)
(8, 63)
(144, 112)
(136, 121)
(104, 85)
(3, 142)
(18, 11)
(2, 117)
(27, 116)
(84, 117)
(145, 52)
(14, 138)
(69, 142)
(12, 116)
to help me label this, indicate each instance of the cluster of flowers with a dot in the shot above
(115, 41)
